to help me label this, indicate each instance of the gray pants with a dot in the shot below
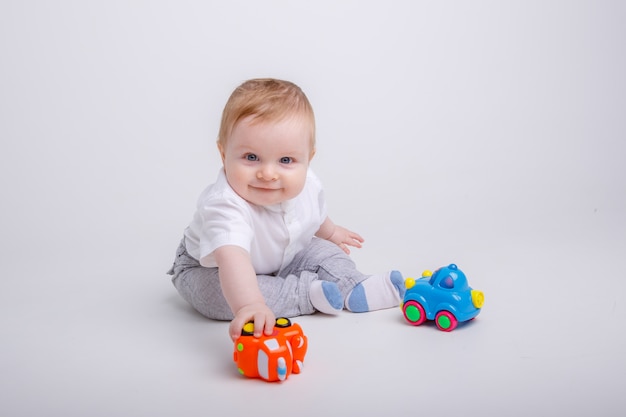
(286, 293)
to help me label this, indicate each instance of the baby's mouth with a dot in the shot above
(261, 188)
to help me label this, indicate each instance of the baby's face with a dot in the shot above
(266, 162)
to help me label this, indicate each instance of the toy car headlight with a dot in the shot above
(409, 283)
(478, 298)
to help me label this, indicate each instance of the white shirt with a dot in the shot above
(272, 235)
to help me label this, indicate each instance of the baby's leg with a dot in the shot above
(361, 292)
(377, 292)
(200, 287)
(325, 296)
(329, 262)
(286, 297)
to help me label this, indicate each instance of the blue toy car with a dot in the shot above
(443, 296)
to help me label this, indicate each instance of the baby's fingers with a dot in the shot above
(344, 247)
(354, 242)
(263, 323)
(235, 329)
(356, 237)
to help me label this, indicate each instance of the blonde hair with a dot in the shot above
(266, 100)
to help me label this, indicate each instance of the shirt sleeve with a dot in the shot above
(221, 222)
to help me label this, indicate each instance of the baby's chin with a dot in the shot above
(269, 197)
(266, 198)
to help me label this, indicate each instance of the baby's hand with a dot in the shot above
(258, 313)
(343, 238)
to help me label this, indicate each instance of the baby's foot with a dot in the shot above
(376, 293)
(326, 297)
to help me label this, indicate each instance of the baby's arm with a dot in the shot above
(339, 235)
(241, 290)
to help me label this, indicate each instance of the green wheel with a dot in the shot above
(414, 313)
(446, 321)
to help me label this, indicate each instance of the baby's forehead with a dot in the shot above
(293, 122)
(293, 118)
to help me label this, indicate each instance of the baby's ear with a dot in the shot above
(312, 154)
(220, 148)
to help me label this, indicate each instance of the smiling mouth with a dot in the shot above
(265, 188)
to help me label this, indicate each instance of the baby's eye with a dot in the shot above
(286, 160)
(252, 157)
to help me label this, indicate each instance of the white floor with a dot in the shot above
(551, 344)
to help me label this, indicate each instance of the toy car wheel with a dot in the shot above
(297, 367)
(446, 321)
(414, 313)
(283, 322)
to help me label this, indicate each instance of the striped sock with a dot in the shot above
(376, 293)
(326, 297)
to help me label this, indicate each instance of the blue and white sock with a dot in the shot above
(326, 297)
(376, 293)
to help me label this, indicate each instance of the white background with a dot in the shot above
(488, 133)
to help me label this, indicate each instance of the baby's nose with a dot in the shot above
(267, 173)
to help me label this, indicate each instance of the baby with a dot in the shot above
(261, 244)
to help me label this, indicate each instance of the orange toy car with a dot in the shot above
(274, 357)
